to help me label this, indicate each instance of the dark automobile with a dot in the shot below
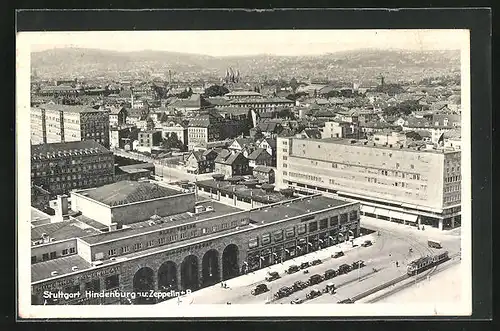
(338, 254)
(315, 279)
(358, 264)
(283, 292)
(348, 300)
(330, 273)
(367, 243)
(304, 265)
(344, 268)
(259, 289)
(316, 262)
(313, 294)
(273, 275)
(299, 285)
(330, 288)
(297, 301)
(292, 269)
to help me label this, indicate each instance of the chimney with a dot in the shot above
(112, 227)
(45, 238)
(62, 205)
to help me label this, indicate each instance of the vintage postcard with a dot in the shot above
(244, 173)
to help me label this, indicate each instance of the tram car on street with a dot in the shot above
(417, 266)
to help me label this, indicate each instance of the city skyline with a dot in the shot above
(225, 43)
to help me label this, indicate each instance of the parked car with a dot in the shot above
(329, 288)
(367, 243)
(313, 294)
(330, 273)
(299, 285)
(297, 301)
(316, 262)
(272, 275)
(304, 265)
(315, 279)
(358, 264)
(348, 300)
(292, 269)
(283, 292)
(338, 254)
(259, 289)
(343, 269)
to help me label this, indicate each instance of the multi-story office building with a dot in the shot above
(61, 167)
(141, 237)
(393, 182)
(52, 123)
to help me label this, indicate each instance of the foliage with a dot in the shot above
(185, 94)
(286, 113)
(173, 142)
(215, 91)
(150, 124)
(403, 108)
(390, 89)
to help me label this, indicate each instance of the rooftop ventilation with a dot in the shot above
(74, 268)
(54, 273)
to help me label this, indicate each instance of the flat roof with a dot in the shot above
(361, 143)
(38, 214)
(63, 230)
(62, 265)
(127, 191)
(163, 223)
(243, 191)
(91, 222)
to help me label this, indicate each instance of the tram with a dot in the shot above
(417, 266)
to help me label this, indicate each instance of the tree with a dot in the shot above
(258, 134)
(185, 94)
(286, 113)
(172, 142)
(294, 84)
(216, 90)
(404, 108)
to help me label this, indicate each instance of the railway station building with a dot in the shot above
(149, 237)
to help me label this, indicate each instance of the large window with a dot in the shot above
(301, 228)
(290, 232)
(313, 226)
(323, 224)
(266, 239)
(94, 285)
(334, 221)
(112, 282)
(254, 242)
(278, 235)
(353, 215)
(343, 218)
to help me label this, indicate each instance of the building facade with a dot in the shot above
(407, 185)
(200, 249)
(53, 123)
(61, 167)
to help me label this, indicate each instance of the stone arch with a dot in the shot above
(143, 282)
(189, 273)
(167, 276)
(230, 266)
(210, 268)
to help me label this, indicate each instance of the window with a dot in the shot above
(301, 228)
(313, 226)
(112, 252)
(53, 255)
(290, 232)
(72, 250)
(94, 285)
(343, 218)
(125, 249)
(334, 221)
(252, 243)
(215, 228)
(33, 259)
(150, 243)
(137, 246)
(112, 282)
(323, 224)
(278, 235)
(266, 239)
(353, 215)
(65, 252)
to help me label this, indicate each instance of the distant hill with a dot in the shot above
(360, 64)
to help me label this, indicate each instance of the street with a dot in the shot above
(392, 245)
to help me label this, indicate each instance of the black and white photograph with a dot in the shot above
(223, 173)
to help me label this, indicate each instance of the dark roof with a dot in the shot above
(53, 150)
(62, 265)
(312, 133)
(271, 142)
(126, 192)
(72, 109)
(244, 141)
(259, 153)
(263, 169)
(224, 158)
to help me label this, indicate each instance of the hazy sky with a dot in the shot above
(250, 42)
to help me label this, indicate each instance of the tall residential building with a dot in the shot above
(52, 123)
(393, 182)
(61, 167)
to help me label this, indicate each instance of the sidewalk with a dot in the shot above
(259, 275)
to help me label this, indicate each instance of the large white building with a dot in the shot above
(394, 182)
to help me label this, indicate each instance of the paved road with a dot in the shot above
(392, 245)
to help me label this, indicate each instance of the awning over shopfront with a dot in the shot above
(382, 212)
(403, 216)
(367, 209)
